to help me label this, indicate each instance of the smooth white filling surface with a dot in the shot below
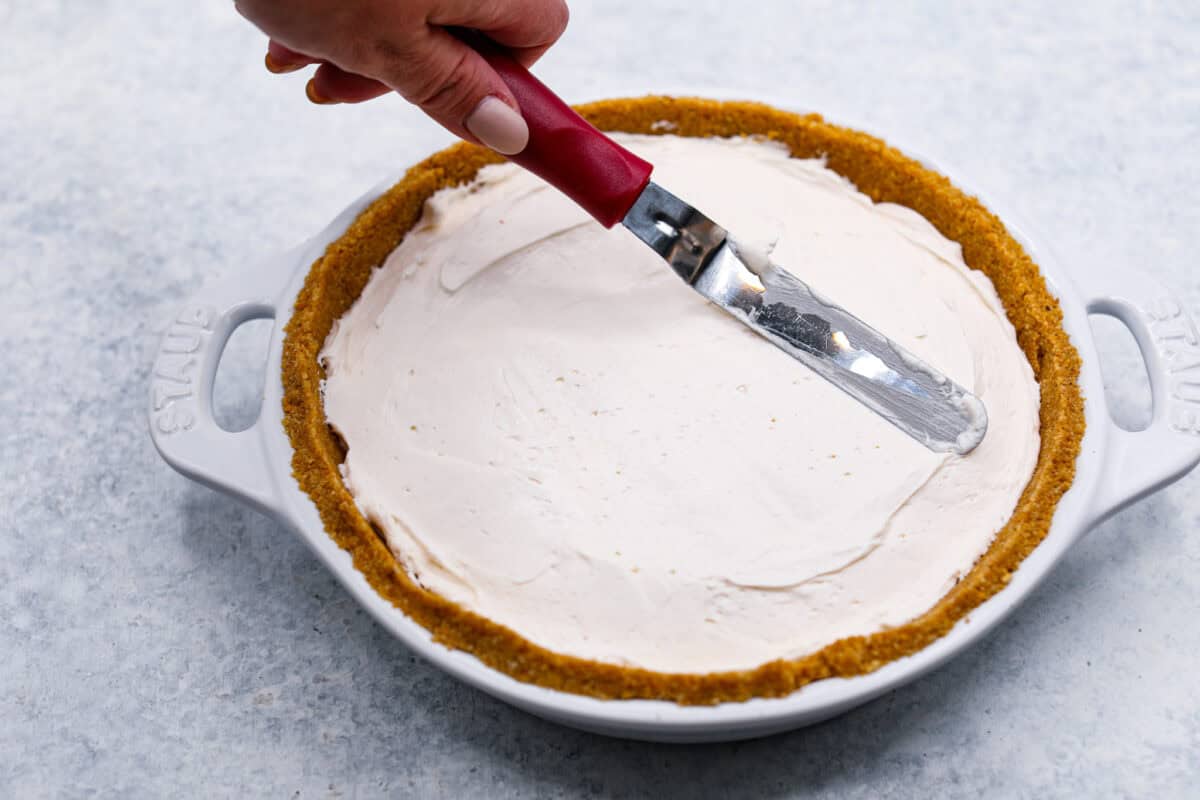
(552, 430)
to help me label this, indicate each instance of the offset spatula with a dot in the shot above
(613, 185)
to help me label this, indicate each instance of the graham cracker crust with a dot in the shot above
(335, 281)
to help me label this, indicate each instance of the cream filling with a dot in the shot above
(555, 432)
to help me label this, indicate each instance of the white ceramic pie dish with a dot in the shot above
(1115, 468)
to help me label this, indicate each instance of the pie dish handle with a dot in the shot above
(182, 424)
(1138, 463)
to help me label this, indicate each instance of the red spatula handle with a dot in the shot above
(564, 149)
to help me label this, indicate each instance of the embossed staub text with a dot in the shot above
(173, 390)
(1178, 343)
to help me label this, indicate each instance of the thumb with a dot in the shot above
(455, 85)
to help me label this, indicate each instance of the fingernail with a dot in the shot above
(310, 89)
(499, 126)
(279, 69)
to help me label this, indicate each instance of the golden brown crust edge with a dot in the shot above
(883, 173)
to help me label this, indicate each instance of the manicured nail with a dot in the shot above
(279, 69)
(499, 126)
(310, 89)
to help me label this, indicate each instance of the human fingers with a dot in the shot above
(452, 83)
(332, 84)
(527, 28)
(282, 59)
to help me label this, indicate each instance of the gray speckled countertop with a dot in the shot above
(157, 639)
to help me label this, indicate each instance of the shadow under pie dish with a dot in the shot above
(754, 409)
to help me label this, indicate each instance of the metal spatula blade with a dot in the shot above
(831, 341)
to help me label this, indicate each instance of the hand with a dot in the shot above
(366, 48)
